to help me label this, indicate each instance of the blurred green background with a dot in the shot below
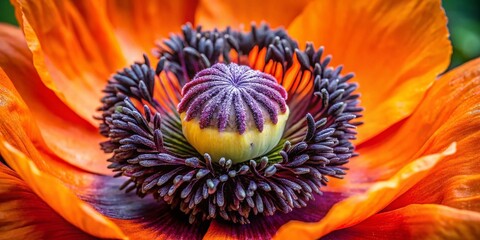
(463, 16)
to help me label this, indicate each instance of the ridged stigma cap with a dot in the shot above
(233, 111)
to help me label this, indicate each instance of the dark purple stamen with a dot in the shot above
(149, 148)
(210, 97)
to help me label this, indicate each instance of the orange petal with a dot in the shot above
(449, 113)
(65, 133)
(457, 120)
(395, 48)
(74, 49)
(58, 196)
(220, 14)
(357, 208)
(138, 24)
(460, 181)
(454, 105)
(415, 221)
(26, 216)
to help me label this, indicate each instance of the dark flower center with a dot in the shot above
(165, 126)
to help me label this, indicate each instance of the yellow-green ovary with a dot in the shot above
(232, 145)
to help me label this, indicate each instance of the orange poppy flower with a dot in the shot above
(416, 174)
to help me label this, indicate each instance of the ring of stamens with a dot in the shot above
(145, 134)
